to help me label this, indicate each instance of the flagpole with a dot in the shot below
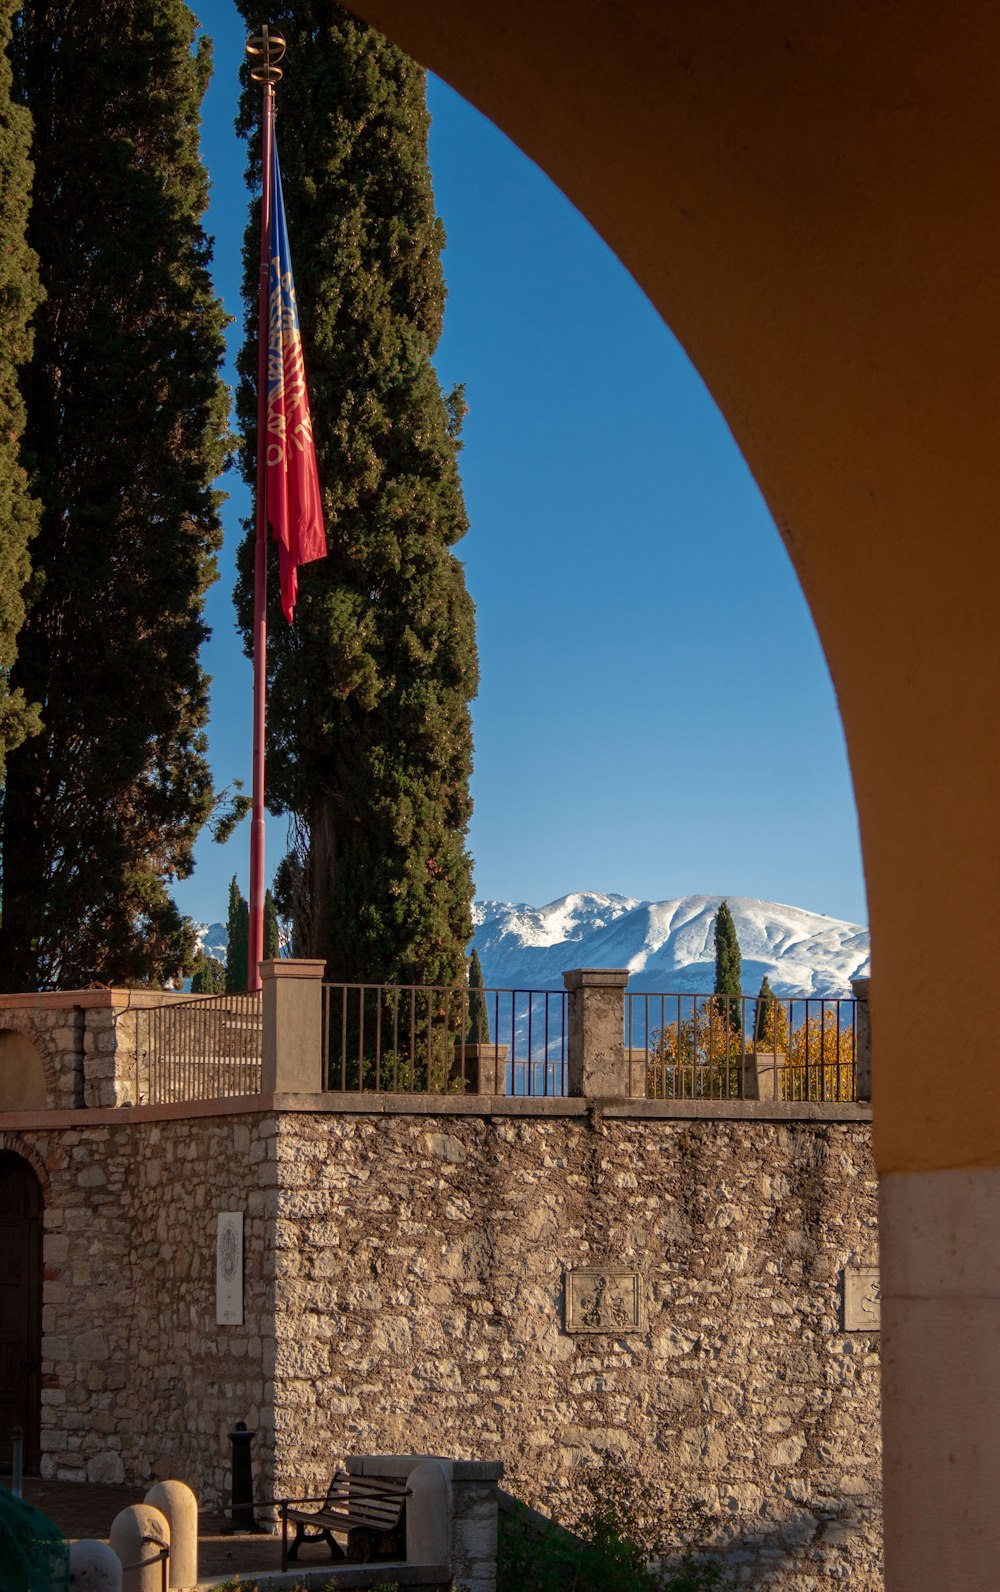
(265, 50)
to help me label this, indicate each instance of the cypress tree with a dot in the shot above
(479, 1016)
(272, 940)
(237, 941)
(19, 297)
(764, 1019)
(771, 1021)
(126, 431)
(369, 732)
(728, 968)
(208, 977)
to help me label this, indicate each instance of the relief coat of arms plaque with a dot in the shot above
(862, 1299)
(605, 1300)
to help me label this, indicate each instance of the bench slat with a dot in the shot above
(345, 1518)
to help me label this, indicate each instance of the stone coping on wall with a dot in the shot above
(337, 1103)
(108, 999)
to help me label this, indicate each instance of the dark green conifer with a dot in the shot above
(126, 429)
(208, 976)
(238, 940)
(479, 1016)
(728, 968)
(369, 732)
(764, 1019)
(19, 297)
(272, 939)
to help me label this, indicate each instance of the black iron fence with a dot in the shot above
(206, 1048)
(439, 1040)
(717, 1047)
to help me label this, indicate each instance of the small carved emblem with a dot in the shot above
(227, 1252)
(604, 1301)
(229, 1269)
(862, 1299)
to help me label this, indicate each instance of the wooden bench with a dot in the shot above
(368, 1510)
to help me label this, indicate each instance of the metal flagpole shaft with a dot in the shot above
(265, 50)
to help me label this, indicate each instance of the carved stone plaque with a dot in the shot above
(862, 1299)
(229, 1270)
(608, 1300)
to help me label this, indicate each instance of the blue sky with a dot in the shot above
(655, 714)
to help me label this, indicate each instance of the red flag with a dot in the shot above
(294, 508)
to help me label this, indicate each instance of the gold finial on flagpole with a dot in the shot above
(265, 50)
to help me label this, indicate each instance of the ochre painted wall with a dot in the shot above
(810, 197)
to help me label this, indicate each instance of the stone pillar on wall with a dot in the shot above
(292, 992)
(597, 1065)
(109, 1062)
(762, 1074)
(474, 1524)
(863, 1040)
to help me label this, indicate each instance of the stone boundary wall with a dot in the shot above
(138, 1380)
(405, 1265)
(420, 1264)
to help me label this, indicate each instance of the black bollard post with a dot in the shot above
(16, 1460)
(241, 1515)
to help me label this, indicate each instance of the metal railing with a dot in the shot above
(206, 1048)
(712, 1047)
(433, 1039)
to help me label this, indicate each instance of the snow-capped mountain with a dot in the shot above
(666, 945)
(213, 939)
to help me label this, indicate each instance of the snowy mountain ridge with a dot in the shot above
(666, 945)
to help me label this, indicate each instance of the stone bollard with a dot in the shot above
(94, 1567)
(428, 1514)
(137, 1533)
(180, 1506)
(595, 1025)
(863, 1050)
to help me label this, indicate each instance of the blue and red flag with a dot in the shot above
(294, 508)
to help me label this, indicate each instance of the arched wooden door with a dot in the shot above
(20, 1306)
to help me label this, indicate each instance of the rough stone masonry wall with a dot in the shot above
(419, 1293)
(138, 1380)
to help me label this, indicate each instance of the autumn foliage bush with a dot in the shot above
(701, 1056)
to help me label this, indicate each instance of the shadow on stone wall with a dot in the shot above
(539, 1554)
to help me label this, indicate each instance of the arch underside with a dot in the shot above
(809, 198)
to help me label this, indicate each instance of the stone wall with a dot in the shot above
(88, 1045)
(138, 1380)
(419, 1285)
(404, 1292)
